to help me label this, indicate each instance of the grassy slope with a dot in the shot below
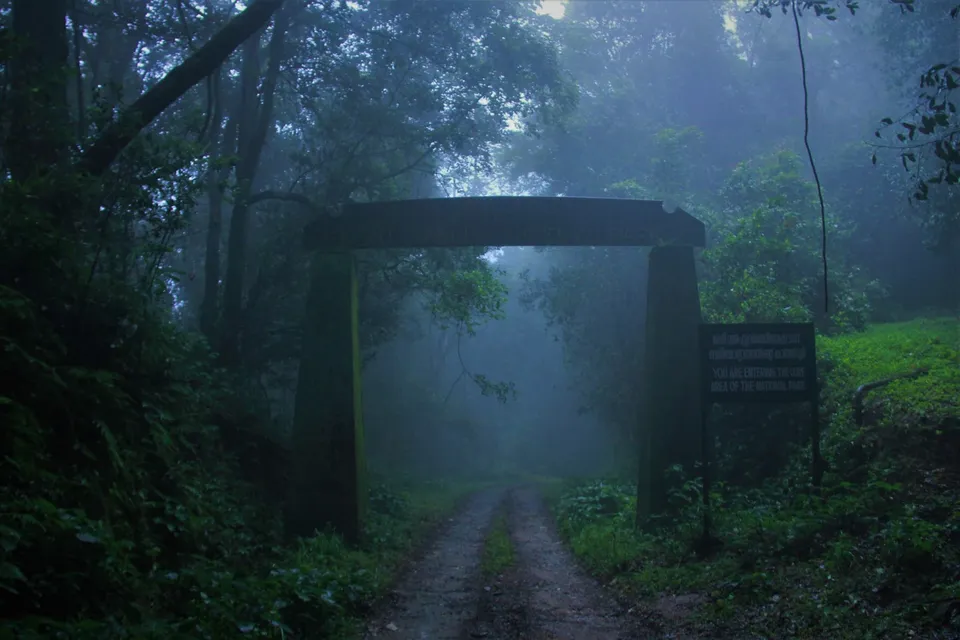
(878, 557)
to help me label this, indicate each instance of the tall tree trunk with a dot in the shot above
(254, 120)
(39, 115)
(224, 141)
(79, 99)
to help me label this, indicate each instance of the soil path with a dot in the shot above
(439, 593)
(542, 596)
(552, 599)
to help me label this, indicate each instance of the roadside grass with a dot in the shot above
(550, 488)
(348, 582)
(498, 552)
(876, 556)
(401, 515)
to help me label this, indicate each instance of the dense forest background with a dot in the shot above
(161, 158)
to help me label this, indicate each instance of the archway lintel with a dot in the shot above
(504, 221)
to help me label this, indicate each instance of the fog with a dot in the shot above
(426, 417)
(702, 105)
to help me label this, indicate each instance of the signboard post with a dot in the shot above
(757, 363)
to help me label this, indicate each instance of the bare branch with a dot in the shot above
(285, 196)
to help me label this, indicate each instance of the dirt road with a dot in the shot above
(439, 593)
(542, 596)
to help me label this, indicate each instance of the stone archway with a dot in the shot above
(327, 487)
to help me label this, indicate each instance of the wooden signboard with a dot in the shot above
(748, 363)
(756, 363)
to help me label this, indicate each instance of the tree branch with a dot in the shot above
(100, 155)
(813, 166)
(284, 196)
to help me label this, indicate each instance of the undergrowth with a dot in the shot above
(123, 516)
(131, 505)
(317, 588)
(877, 555)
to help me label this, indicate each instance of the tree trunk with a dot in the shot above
(223, 142)
(39, 115)
(254, 121)
(79, 100)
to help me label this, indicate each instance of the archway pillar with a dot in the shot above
(669, 427)
(328, 467)
(327, 487)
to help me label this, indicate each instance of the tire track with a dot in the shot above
(543, 595)
(562, 602)
(435, 599)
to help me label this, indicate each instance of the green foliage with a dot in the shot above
(873, 556)
(463, 300)
(765, 263)
(255, 587)
(932, 124)
(466, 298)
(926, 136)
(384, 501)
(595, 501)
(669, 168)
(134, 500)
(820, 8)
(596, 517)
(137, 475)
(459, 289)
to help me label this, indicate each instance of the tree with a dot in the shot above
(369, 122)
(39, 122)
(129, 445)
(99, 155)
(764, 261)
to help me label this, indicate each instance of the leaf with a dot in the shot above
(8, 539)
(10, 571)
